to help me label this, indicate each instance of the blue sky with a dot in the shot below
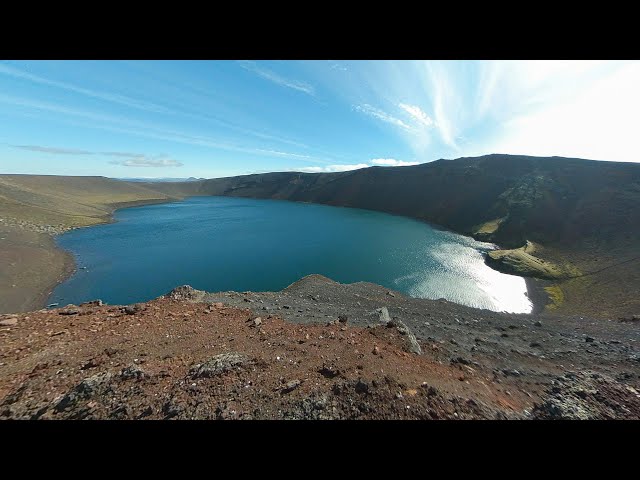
(221, 118)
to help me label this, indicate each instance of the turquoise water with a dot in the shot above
(222, 243)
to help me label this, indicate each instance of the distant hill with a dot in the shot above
(163, 179)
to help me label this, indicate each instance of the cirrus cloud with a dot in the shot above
(417, 114)
(381, 115)
(130, 159)
(54, 150)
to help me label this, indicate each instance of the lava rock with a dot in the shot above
(133, 372)
(219, 364)
(329, 371)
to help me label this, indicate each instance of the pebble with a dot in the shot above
(290, 386)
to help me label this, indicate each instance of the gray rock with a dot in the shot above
(219, 364)
(92, 303)
(257, 322)
(185, 292)
(69, 311)
(8, 322)
(290, 386)
(384, 315)
(133, 309)
(412, 343)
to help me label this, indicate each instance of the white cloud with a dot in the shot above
(278, 79)
(417, 113)
(147, 161)
(381, 115)
(587, 112)
(330, 168)
(391, 162)
(384, 162)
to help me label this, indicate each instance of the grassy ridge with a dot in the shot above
(67, 201)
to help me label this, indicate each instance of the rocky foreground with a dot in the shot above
(316, 350)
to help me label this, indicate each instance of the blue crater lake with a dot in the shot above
(223, 243)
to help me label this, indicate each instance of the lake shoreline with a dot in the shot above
(537, 296)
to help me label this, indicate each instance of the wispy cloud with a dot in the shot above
(130, 159)
(122, 154)
(109, 97)
(55, 150)
(417, 113)
(381, 115)
(277, 79)
(130, 127)
(147, 161)
(391, 162)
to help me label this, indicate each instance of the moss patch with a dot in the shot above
(556, 296)
(488, 227)
(519, 261)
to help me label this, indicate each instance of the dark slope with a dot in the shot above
(548, 200)
(580, 211)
